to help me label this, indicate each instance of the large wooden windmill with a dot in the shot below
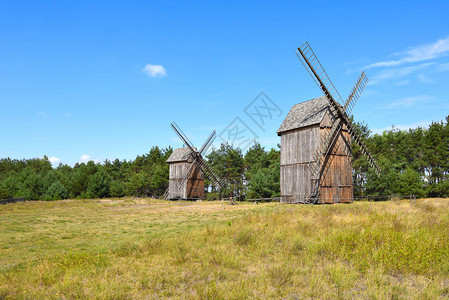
(316, 141)
(187, 169)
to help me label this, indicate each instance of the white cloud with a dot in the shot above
(417, 54)
(155, 70)
(86, 158)
(68, 114)
(409, 101)
(54, 160)
(41, 114)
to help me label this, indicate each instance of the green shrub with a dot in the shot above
(56, 191)
(99, 185)
(212, 196)
(117, 188)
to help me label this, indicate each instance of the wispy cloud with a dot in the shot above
(155, 70)
(423, 78)
(409, 101)
(68, 114)
(41, 114)
(417, 54)
(398, 72)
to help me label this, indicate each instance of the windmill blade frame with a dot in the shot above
(211, 173)
(183, 136)
(313, 66)
(208, 142)
(328, 140)
(364, 150)
(356, 91)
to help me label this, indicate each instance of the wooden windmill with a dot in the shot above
(187, 169)
(316, 141)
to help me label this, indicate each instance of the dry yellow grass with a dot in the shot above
(142, 248)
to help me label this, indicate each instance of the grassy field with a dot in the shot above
(142, 248)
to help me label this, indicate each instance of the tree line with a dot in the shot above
(145, 176)
(414, 161)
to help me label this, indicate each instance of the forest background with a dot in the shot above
(413, 162)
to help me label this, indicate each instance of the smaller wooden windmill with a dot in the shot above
(316, 141)
(187, 169)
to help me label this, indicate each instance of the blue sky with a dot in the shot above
(99, 80)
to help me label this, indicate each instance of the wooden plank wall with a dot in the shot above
(297, 150)
(177, 169)
(194, 188)
(195, 184)
(336, 186)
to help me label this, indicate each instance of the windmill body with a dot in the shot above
(180, 161)
(316, 139)
(305, 126)
(187, 169)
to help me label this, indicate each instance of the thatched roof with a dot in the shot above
(305, 114)
(180, 154)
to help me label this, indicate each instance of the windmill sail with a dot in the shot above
(341, 110)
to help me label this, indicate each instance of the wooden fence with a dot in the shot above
(276, 199)
(12, 200)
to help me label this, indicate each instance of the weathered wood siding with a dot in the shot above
(195, 184)
(297, 150)
(175, 178)
(336, 181)
(192, 188)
